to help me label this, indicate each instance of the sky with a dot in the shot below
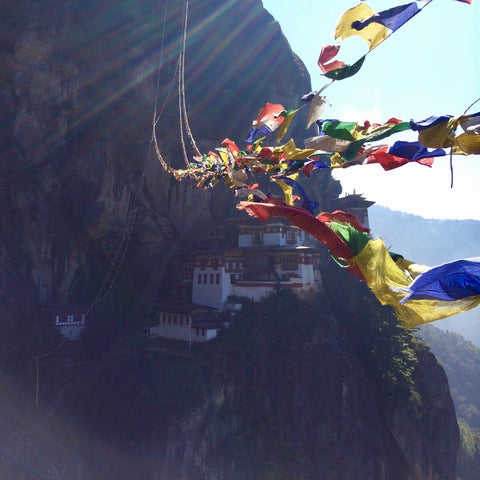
(427, 67)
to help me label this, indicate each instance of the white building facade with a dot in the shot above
(268, 255)
(186, 322)
(274, 234)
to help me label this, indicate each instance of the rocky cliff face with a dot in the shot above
(285, 392)
(79, 86)
(89, 217)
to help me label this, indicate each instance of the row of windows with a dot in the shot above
(258, 236)
(173, 319)
(70, 319)
(205, 277)
(228, 265)
(170, 319)
(250, 231)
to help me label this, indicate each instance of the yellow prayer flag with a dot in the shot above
(441, 135)
(384, 277)
(389, 283)
(292, 152)
(287, 189)
(286, 123)
(373, 34)
(467, 144)
(418, 312)
(336, 160)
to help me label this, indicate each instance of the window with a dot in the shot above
(291, 236)
(70, 318)
(217, 279)
(199, 278)
(257, 237)
(211, 278)
(289, 262)
(205, 278)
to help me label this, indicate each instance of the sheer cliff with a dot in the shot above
(331, 389)
(78, 93)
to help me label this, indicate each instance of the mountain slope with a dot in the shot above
(461, 361)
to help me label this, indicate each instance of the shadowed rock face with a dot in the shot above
(79, 84)
(89, 217)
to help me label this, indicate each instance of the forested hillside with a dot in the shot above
(461, 361)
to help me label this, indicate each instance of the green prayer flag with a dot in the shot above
(352, 150)
(338, 129)
(346, 71)
(355, 240)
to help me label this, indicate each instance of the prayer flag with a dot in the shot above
(414, 150)
(307, 204)
(393, 18)
(317, 107)
(288, 117)
(355, 146)
(451, 281)
(327, 53)
(345, 71)
(338, 129)
(327, 143)
(373, 34)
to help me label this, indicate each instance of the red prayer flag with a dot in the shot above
(232, 146)
(328, 52)
(270, 112)
(389, 161)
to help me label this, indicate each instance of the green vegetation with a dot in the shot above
(469, 454)
(387, 351)
(461, 362)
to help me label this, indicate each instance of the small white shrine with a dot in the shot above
(184, 321)
(68, 320)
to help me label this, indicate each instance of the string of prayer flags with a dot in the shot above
(338, 143)
(417, 293)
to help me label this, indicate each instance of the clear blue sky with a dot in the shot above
(429, 66)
